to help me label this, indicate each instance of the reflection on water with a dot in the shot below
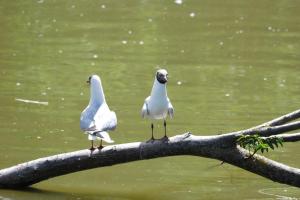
(231, 64)
(279, 193)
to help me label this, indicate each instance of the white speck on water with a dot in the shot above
(62, 99)
(283, 80)
(93, 63)
(227, 95)
(40, 1)
(38, 137)
(103, 6)
(81, 15)
(95, 56)
(219, 181)
(179, 2)
(150, 20)
(179, 82)
(62, 130)
(18, 84)
(221, 43)
(270, 28)
(44, 93)
(192, 14)
(265, 78)
(60, 51)
(130, 32)
(124, 42)
(182, 51)
(48, 88)
(141, 42)
(54, 20)
(81, 93)
(239, 32)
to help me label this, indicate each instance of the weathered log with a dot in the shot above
(220, 147)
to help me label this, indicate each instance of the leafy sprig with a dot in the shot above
(256, 143)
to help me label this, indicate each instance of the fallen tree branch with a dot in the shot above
(293, 137)
(220, 147)
(281, 120)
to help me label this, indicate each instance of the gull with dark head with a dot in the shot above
(158, 105)
(96, 119)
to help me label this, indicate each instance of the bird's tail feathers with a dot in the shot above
(103, 135)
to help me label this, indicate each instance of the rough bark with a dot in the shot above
(220, 147)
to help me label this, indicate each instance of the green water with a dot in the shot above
(232, 65)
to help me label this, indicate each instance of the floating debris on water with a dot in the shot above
(227, 95)
(32, 101)
(18, 84)
(221, 43)
(141, 42)
(179, 82)
(192, 14)
(130, 32)
(124, 42)
(103, 6)
(95, 56)
(179, 2)
(150, 20)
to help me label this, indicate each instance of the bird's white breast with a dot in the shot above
(158, 107)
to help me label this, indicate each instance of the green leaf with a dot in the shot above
(256, 143)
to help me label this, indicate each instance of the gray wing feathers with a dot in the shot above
(98, 120)
(145, 110)
(170, 109)
(107, 121)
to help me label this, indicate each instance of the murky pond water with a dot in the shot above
(232, 65)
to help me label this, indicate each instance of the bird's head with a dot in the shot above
(93, 78)
(162, 76)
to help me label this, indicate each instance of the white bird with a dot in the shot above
(158, 105)
(96, 119)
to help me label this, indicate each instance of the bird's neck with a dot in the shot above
(159, 89)
(97, 95)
